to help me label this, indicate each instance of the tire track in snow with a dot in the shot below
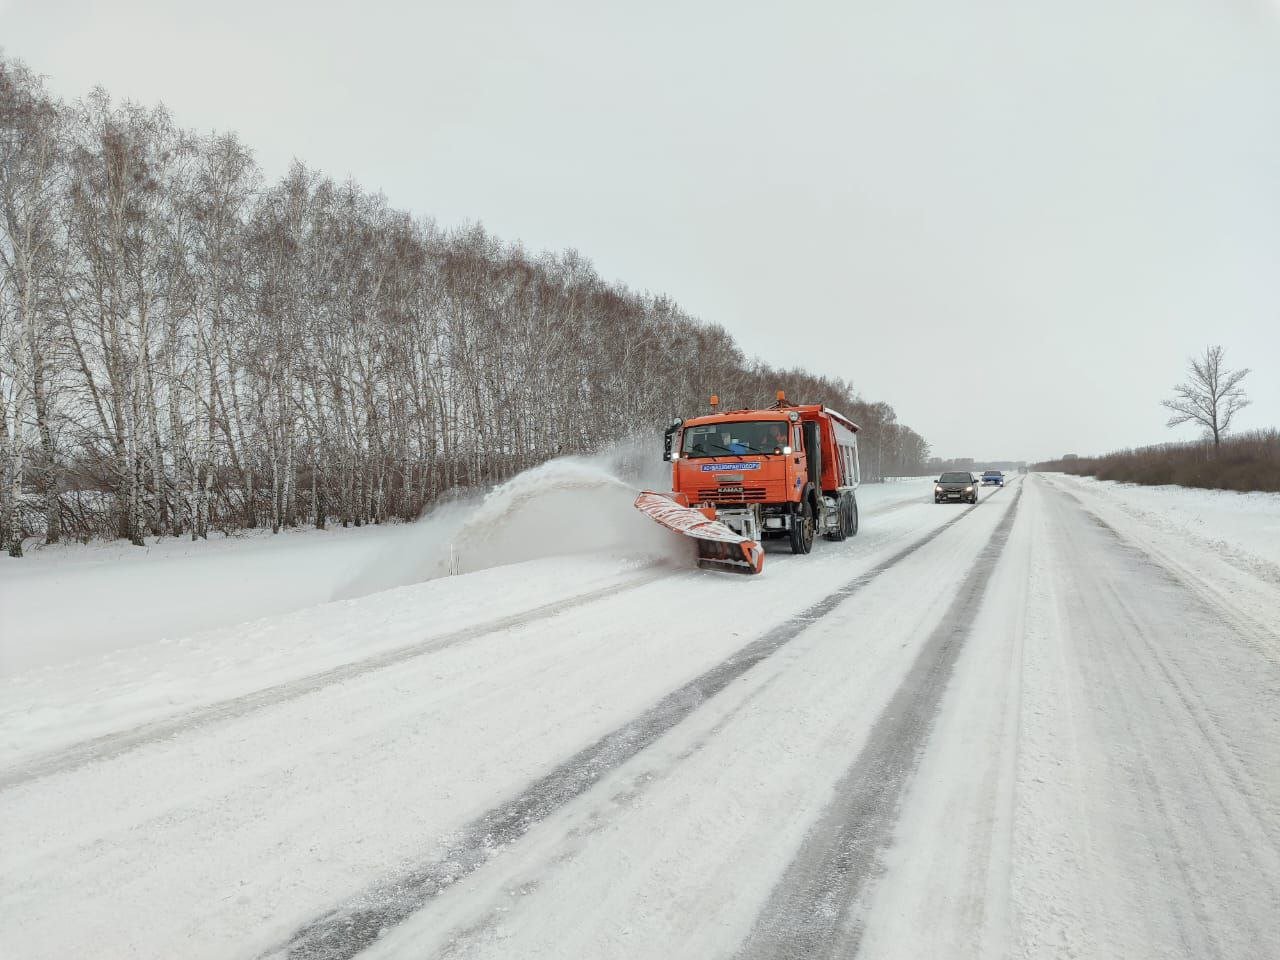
(1199, 794)
(111, 745)
(809, 912)
(1245, 781)
(348, 929)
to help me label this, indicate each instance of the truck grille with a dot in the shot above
(718, 495)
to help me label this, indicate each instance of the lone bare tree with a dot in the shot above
(1211, 396)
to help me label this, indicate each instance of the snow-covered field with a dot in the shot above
(64, 602)
(1042, 726)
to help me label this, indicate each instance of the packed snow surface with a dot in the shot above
(1041, 726)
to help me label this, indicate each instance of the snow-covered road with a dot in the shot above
(1042, 726)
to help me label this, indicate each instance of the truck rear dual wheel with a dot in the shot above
(842, 522)
(846, 520)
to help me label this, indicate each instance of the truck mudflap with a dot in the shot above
(718, 546)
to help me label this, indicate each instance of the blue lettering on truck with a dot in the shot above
(717, 467)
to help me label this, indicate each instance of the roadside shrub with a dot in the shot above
(1246, 462)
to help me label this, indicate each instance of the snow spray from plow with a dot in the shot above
(570, 505)
(577, 505)
(565, 506)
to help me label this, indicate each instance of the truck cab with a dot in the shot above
(789, 471)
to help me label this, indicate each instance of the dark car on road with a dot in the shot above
(957, 487)
(993, 477)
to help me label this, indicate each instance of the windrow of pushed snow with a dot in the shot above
(174, 589)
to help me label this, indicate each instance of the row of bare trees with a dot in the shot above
(184, 347)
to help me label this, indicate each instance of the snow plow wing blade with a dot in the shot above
(719, 547)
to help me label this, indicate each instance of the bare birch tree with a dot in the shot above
(1210, 397)
(31, 174)
(185, 348)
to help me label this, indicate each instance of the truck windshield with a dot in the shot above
(734, 438)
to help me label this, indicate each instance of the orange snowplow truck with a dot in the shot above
(787, 472)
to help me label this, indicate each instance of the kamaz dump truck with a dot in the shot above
(789, 472)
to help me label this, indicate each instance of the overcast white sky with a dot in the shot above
(1011, 220)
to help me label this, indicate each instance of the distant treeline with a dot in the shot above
(184, 346)
(1247, 461)
(968, 464)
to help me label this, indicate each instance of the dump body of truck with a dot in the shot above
(786, 472)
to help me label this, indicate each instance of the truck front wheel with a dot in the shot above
(802, 528)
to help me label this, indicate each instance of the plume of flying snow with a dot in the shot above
(567, 505)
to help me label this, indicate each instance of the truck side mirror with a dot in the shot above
(667, 437)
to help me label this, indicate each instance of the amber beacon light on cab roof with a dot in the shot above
(738, 478)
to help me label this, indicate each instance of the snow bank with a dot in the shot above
(57, 605)
(62, 603)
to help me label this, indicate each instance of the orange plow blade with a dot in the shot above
(718, 546)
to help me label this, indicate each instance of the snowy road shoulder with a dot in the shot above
(1222, 545)
(1243, 526)
(48, 709)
